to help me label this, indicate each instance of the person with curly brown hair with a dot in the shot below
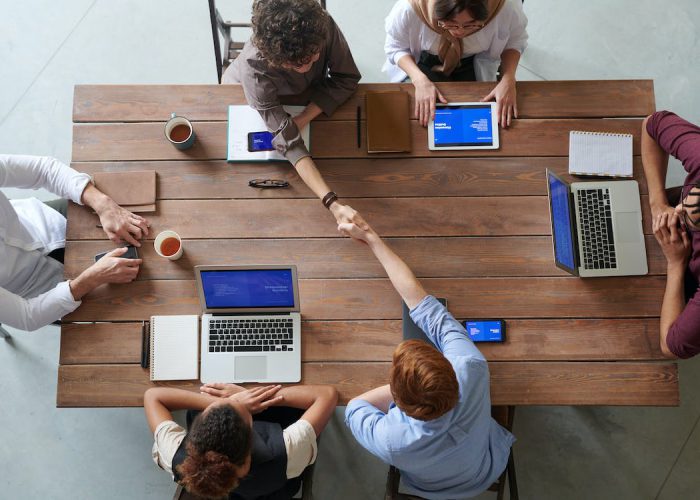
(242, 443)
(297, 55)
(433, 420)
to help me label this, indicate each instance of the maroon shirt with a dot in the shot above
(682, 139)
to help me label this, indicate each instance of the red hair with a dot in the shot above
(422, 381)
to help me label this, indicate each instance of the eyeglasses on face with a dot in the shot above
(471, 26)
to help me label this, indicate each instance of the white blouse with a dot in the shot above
(406, 34)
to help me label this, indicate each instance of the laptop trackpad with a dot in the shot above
(250, 368)
(627, 227)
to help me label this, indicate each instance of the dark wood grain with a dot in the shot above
(552, 99)
(484, 216)
(333, 139)
(341, 258)
(623, 297)
(375, 340)
(525, 383)
(100, 343)
(362, 178)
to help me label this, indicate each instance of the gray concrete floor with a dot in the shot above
(562, 452)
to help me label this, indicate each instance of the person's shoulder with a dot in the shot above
(402, 11)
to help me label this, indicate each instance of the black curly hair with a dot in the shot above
(447, 9)
(218, 442)
(289, 31)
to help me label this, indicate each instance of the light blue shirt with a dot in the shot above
(457, 455)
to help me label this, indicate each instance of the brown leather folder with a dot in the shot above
(388, 122)
(135, 191)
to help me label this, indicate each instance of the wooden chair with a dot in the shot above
(231, 48)
(504, 415)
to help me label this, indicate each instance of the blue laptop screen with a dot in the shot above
(463, 126)
(561, 222)
(248, 288)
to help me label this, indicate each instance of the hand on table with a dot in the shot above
(347, 214)
(255, 400)
(425, 96)
(657, 210)
(506, 104)
(109, 269)
(122, 225)
(672, 238)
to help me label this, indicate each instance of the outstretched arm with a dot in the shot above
(403, 279)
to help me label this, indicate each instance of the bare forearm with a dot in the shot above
(409, 66)
(655, 163)
(159, 402)
(673, 302)
(509, 62)
(306, 168)
(94, 198)
(380, 397)
(83, 284)
(401, 276)
(319, 401)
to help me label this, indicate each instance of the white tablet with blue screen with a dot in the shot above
(464, 125)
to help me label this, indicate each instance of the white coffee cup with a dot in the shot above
(164, 235)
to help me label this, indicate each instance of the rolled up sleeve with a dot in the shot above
(518, 37)
(42, 310)
(678, 137)
(397, 26)
(302, 449)
(287, 138)
(35, 172)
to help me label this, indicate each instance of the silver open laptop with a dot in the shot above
(597, 227)
(251, 326)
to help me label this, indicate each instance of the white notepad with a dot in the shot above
(600, 153)
(174, 347)
(243, 119)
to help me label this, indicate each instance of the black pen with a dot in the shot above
(144, 346)
(359, 136)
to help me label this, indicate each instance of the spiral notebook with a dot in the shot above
(174, 347)
(600, 153)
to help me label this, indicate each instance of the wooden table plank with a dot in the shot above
(622, 297)
(492, 216)
(352, 341)
(526, 383)
(342, 258)
(361, 178)
(333, 139)
(551, 99)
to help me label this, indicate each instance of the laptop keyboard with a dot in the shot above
(596, 230)
(250, 335)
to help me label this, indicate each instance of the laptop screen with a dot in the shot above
(248, 288)
(466, 125)
(564, 250)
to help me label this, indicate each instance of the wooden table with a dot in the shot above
(474, 227)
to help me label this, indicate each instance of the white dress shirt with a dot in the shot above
(406, 34)
(32, 290)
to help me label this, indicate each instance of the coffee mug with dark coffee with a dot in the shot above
(179, 131)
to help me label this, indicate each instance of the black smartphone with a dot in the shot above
(486, 330)
(260, 141)
(130, 253)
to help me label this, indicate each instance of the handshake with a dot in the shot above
(352, 224)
